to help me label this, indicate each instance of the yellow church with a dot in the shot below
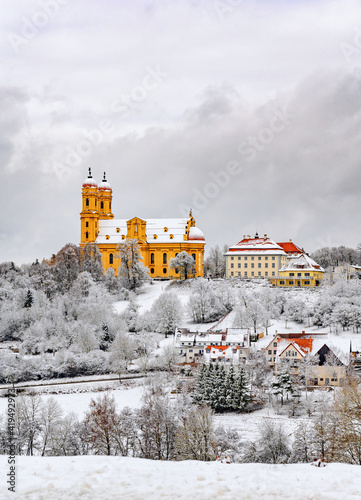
(159, 239)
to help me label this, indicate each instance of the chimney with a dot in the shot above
(265, 236)
(290, 240)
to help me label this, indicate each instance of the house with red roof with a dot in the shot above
(327, 358)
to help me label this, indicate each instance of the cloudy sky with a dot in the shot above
(247, 111)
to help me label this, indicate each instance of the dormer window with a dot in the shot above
(166, 230)
(118, 230)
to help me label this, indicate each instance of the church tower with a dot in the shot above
(89, 215)
(105, 195)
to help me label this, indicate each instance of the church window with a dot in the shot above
(164, 270)
(87, 224)
(102, 204)
(152, 258)
(152, 270)
(110, 205)
(110, 258)
(95, 202)
(86, 235)
(87, 202)
(194, 256)
(164, 258)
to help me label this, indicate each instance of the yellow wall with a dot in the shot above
(305, 278)
(158, 264)
(254, 266)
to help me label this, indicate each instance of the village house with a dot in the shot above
(229, 346)
(330, 357)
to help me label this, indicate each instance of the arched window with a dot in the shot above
(110, 258)
(164, 258)
(102, 204)
(110, 205)
(87, 224)
(87, 202)
(164, 270)
(152, 270)
(152, 258)
(194, 256)
(86, 235)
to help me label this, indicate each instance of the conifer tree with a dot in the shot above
(28, 299)
(283, 385)
(242, 396)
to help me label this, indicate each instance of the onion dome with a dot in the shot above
(104, 185)
(89, 181)
(195, 234)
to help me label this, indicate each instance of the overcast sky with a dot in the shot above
(247, 111)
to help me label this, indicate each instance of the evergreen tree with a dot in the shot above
(242, 396)
(283, 384)
(28, 299)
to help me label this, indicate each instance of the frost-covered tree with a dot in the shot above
(183, 264)
(303, 449)
(157, 426)
(66, 266)
(273, 444)
(132, 272)
(215, 263)
(91, 261)
(207, 304)
(122, 351)
(283, 385)
(195, 437)
(166, 313)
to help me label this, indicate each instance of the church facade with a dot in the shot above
(159, 239)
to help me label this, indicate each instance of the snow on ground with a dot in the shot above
(248, 424)
(78, 403)
(146, 297)
(102, 478)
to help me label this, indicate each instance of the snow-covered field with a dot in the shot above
(104, 478)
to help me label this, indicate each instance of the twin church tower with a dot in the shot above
(159, 239)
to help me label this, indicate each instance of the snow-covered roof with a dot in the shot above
(104, 185)
(195, 234)
(257, 245)
(157, 231)
(90, 181)
(301, 262)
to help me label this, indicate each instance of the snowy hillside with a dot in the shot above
(102, 478)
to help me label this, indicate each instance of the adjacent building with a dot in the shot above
(159, 239)
(258, 257)
(284, 264)
(300, 271)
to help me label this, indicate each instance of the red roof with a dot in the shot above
(304, 344)
(290, 247)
